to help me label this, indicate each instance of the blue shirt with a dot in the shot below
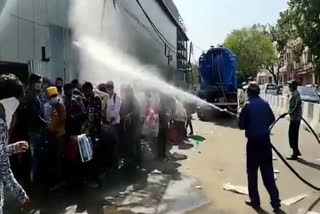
(256, 117)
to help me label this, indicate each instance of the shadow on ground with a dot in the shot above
(92, 200)
(309, 164)
(222, 119)
(314, 204)
(262, 211)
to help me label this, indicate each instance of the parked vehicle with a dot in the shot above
(280, 88)
(218, 80)
(307, 94)
(271, 88)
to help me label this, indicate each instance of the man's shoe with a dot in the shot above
(277, 210)
(293, 157)
(253, 204)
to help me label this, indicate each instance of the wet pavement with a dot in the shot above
(159, 188)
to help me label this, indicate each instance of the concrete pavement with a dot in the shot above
(222, 160)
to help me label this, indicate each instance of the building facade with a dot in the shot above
(37, 33)
(264, 77)
(297, 64)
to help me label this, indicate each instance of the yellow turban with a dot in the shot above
(52, 91)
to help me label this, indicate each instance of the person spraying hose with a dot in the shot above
(254, 121)
(256, 118)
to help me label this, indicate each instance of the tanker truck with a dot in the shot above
(218, 81)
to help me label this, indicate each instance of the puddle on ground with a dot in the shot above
(182, 196)
(161, 194)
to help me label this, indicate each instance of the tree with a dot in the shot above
(306, 18)
(253, 48)
(193, 76)
(284, 31)
(281, 34)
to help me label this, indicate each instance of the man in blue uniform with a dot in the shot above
(256, 118)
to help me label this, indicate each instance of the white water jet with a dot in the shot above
(125, 68)
(5, 13)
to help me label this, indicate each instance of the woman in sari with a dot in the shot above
(10, 87)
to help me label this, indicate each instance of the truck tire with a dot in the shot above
(201, 117)
(204, 115)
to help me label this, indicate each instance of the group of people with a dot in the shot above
(255, 118)
(52, 116)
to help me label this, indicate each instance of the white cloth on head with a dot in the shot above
(104, 97)
(10, 105)
(113, 109)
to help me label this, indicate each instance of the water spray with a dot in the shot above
(5, 13)
(112, 63)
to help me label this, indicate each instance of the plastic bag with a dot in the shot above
(85, 148)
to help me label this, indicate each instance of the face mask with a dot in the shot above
(9, 107)
(38, 86)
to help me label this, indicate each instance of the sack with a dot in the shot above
(85, 148)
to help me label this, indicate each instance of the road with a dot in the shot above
(195, 185)
(222, 160)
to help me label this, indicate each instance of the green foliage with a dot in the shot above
(306, 18)
(284, 31)
(254, 49)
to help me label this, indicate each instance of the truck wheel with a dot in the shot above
(202, 116)
(233, 109)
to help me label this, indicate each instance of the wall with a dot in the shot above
(141, 39)
(31, 24)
